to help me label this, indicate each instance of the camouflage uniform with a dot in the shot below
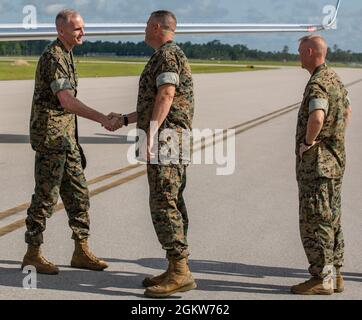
(167, 181)
(58, 168)
(320, 173)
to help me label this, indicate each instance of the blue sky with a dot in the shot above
(347, 36)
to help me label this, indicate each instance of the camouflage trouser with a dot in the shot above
(168, 210)
(320, 224)
(58, 173)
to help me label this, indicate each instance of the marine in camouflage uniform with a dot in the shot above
(59, 161)
(58, 168)
(164, 115)
(320, 172)
(168, 65)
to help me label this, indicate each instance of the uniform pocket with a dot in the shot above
(164, 178)
(307, 168)
(315, 203)
(59, 131)
(169, 181)
(323, 208)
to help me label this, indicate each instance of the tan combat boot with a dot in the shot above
(154, 281)
(339, 282)
(33, 257)
(314, 286)
(84, 259)
(179, 279)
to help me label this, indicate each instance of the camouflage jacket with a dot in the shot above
(52, 127)
(168, 65)
(326, 159)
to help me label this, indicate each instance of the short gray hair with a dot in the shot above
(166, 19)
(64, 16)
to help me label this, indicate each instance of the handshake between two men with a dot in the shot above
(114, 121)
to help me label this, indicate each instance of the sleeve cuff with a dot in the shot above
(318, 104)
(349, 100)
(168, 78)
(60, 84)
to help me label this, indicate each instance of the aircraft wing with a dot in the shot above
(14, 32)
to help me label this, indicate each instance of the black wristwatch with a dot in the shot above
(125, 120)
(307, 144)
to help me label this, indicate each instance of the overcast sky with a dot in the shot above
(348, 34)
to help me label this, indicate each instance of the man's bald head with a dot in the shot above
(312, 51)
(316, 43)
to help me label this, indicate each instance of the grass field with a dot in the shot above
(241, 62)
(233, 62)
(90, 67)
(110, 68)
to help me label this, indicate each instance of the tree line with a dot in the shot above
(214, 50)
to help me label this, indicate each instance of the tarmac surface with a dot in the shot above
(244, 235)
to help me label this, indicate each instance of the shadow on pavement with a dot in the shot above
(237, 270)
(107, 283)
(116, 283)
